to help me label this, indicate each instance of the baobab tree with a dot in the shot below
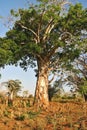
(45, 36)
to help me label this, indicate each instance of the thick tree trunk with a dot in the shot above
(41, 93)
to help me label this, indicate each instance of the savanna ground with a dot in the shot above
(62, 115)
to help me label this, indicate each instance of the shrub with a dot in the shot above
(32, 115)
(21, 117)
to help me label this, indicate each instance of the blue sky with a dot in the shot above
(10, 72)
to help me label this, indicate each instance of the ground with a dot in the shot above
(70, 115)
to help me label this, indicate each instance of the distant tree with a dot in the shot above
(81, 64)
(57, 86)
(25, 93)
(13, 86)
(78, 76)
(82, 86)
(46, 36)
(82, 89)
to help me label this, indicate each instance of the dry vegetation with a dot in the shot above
(64, 115)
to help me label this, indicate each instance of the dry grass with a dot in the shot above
(59, 116)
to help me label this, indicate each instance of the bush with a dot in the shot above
(21, 117)
(32, 115)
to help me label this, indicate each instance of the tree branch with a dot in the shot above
(50, 26)
(52, 51)
(64, 3)
(50, 81)
(29, 29)
(65, 35)
(40, 23)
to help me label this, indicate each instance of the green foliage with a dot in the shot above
(28, 104)
(32, 114)
(20, 118)
(6, 51)
(6, 113)
(14, 13)
(10, 103)
(75, 19)
(30, 39)
(83, 87)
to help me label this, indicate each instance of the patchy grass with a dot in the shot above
(60, 116)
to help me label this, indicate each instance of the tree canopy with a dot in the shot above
(41, 30)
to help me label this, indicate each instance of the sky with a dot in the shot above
(11, 72)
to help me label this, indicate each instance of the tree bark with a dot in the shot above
(41, 93)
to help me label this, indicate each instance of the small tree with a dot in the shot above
(13, 86)
(26, 93)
